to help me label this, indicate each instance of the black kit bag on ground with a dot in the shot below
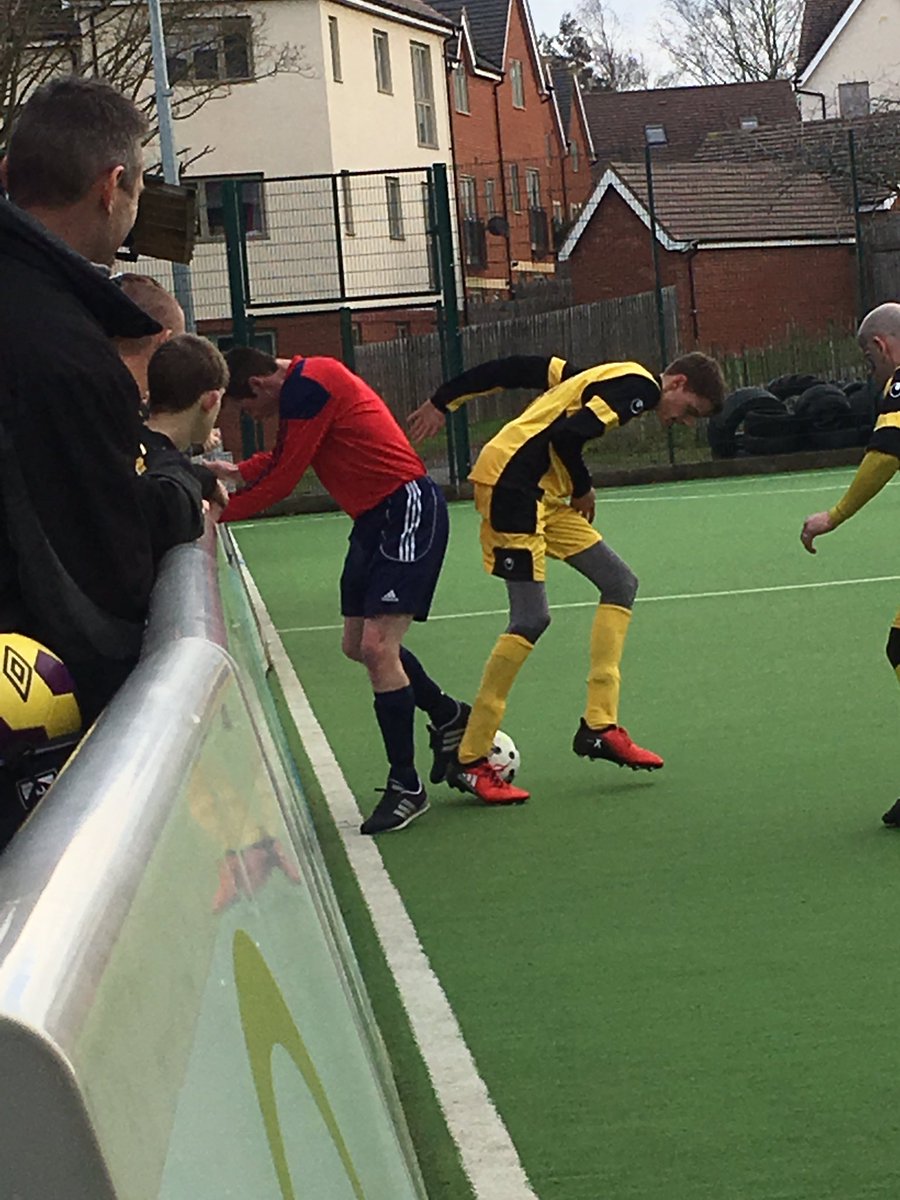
(863, 395)
(723, 430)
(786, 386)
(767, 433)
(832, 424)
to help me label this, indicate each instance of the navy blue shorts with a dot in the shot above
(395, 555)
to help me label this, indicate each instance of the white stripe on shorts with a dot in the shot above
(407, 548)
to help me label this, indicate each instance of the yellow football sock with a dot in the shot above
(607, 639)
(507, 657)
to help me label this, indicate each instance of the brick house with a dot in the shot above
(676, 120)
(509, 147)
(752, 251)
(580, 153)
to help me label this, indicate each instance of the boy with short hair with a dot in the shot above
(186, 379)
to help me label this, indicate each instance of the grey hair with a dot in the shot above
(883, 321)
(70, 131)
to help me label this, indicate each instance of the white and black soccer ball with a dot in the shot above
(504, 757)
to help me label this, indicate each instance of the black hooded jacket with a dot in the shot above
(80, 531)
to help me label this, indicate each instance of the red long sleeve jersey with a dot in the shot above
(332, 421)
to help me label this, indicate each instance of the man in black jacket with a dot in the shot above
(80, 530)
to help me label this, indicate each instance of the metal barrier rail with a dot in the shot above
(181, 1017)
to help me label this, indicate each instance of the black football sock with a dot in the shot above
(429, 697)
(395, 712)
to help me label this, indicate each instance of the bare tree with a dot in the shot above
(590, 43)
(731, 41)
(207, 47)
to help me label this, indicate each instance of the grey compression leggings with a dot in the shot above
(529, 612)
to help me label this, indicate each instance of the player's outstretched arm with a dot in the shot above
(875, 470)
(425, 421)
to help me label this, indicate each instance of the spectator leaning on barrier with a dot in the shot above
(186, 379)
(149, 295)
(80, 530)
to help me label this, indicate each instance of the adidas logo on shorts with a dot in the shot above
(390, 597)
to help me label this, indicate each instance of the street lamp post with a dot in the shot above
(181, 272)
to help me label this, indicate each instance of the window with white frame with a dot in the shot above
(217, 50)
(515, 188)
(334, 39)
(211, 206)
(468, 195)
(460, 88)
(490, 197)
(423, 91)
(394, 207)
(517, 82)
(347, 202)
(382, 62)
(533, 187)
(575, 155)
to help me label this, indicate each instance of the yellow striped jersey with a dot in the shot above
(541, 449)
(886, 434)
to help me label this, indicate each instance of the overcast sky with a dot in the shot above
(637, 26)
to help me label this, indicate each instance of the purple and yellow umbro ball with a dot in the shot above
(37, 695)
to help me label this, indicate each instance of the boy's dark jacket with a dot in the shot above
(80, 531)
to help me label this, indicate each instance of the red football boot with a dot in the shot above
(482, 780)
(614, 744)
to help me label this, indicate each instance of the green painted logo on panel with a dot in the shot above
(267, 1023)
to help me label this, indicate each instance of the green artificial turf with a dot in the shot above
(679, 986)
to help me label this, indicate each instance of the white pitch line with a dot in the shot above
(489, 1157)
(603, 499)
(757, 591)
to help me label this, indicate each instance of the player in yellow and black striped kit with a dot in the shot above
(879, 339)
(535, 496)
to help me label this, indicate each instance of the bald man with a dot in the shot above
(148, 294)
(879, 339)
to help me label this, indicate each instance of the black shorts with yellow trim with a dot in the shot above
(519, 531)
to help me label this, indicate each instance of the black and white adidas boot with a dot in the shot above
(444, 741)
(396, 809)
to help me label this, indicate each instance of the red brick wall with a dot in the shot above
(527, 134)
(755, 297)
(743, 297)
(476, 153)
(578, 184)
(484, 148)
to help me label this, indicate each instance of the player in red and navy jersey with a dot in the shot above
(879, 340)
(332, 421)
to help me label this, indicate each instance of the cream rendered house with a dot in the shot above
(365, 92)
(849, 58)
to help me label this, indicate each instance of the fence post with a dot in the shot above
(660, 310)
(348, 347)
(862, 305)
(241, 322)
(457, 424)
